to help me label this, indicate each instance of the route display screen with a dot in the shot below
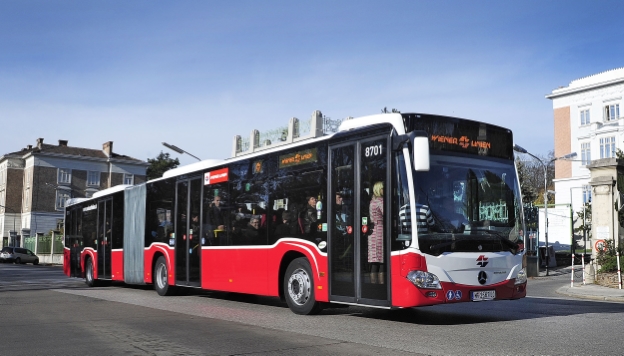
(461, 135)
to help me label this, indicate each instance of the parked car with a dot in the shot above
(18, 255)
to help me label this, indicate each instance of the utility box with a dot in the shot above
(531, 266)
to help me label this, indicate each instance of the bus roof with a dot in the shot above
(193, 167)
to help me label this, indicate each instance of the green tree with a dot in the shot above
(160, 164)
(607, 258)
(585, 216)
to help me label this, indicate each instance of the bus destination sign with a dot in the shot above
(297, 158)
(463, 141)
(462, 136)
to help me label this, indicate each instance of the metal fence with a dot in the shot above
(45, 244)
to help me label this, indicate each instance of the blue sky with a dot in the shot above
(196, 73)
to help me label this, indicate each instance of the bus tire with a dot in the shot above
(161, 278)
(90, 274)
(299, 288)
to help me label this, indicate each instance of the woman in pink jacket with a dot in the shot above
(375, 239)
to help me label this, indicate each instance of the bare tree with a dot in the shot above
(531, 176)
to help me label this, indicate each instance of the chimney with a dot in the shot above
(63, 143)
(29, 147)
(107, 147)
(39, 143)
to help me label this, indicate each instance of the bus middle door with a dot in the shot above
(105, 212)
(187, 232)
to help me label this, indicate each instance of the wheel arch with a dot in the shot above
(286, 260)
(88, 254)
(155, 258)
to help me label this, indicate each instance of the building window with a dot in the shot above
(93, 179)
(585, 153)
(62, 196)
(27, 176)
(585, 117)
(26, 199)
(64, 175)
(607, 147)
(586, 194)
(129, 179)
(612, 112)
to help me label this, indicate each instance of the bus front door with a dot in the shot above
(358, 248)
(187, 232)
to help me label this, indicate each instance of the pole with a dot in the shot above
(617, 254)
(583, 264)
(572, 242)
(584, 243)
(546, 213)
(572, 274)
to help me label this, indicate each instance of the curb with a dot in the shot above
(565, 291)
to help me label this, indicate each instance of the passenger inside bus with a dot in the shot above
(343, 229)
(288, 226)
(251, 234)
(194, 233)
(424, 218)
(343, 216)
(375, 239)
(447, 217)
(215, 222)
(310, 215)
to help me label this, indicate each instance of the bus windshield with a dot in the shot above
(468, 204)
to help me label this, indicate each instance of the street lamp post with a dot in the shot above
(546, 191)
(178, 150)
(573, 245)
(6, 207)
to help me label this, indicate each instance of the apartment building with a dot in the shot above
(587, 121)
(36, 181)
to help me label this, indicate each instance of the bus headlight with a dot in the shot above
(522, 277)
(424, 280)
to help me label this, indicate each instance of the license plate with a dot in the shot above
(482, 295)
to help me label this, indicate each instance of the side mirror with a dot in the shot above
(420, 150)
(419, 140)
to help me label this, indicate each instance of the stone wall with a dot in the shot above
(609, 279)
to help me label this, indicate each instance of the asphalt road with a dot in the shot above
(49, 314)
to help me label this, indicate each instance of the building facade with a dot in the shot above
(36, 181)
(587, 121)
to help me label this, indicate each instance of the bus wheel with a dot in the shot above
(161, 277)
(89, 279)
(299, 288)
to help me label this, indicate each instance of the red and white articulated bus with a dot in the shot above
(322, 219)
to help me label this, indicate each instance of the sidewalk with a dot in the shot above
(587, 291)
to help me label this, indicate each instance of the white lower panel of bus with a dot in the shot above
(464, 268)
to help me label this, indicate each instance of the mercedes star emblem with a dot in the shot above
(482, 277)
